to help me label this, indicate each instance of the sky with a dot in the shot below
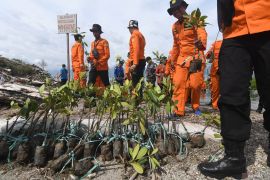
(28, 28)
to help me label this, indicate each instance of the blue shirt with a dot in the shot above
(64, 74)
(119, 73)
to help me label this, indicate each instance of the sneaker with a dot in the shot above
(198, 112)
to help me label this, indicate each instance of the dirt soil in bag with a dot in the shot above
(40, 159)
(255, 151)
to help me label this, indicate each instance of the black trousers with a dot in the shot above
(138, 72)
(104, 75)
(238, 58)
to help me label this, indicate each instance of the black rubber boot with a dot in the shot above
(232, 165)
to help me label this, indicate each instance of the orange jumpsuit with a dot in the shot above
(183, 51)
(127, 70)
(214, 76)
(136, 46)
(251, 17)
(160, 71)
(77, 58)
(101, 63)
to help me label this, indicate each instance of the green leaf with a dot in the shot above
(27, 102)
(203, 17)
(14, 105)
(160, 98)
(48, 81)
(41, 90)
(142, 160)
(142, 153)
(217, 136)
(130, 151)
(137, 167)
(168, 107)
(125, 104)
(193, 13)
(126, 122)
(117, 89)
(85, 44)
(135, 151)
(153, 165)
(198, 13)
(157, 89)
(127, 83)
(156, 161)
(154, 151)
(152, 97)
(143, 130)
(114, 114)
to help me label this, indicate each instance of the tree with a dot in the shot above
(159, 57)
(42, 63)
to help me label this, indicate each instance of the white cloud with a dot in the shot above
(29, 28)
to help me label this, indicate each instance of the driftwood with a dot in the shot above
(18, 93)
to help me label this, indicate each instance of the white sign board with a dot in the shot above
(67, 23)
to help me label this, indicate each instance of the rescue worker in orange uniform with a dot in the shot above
(136, 49)
(128, 64)
(77, 59)
(213, 55)
(98, 58)
(189, 44)
(160, 72)
(246, 47)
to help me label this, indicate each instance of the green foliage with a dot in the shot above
(140, 156)
(28, 107)
(195, 19)
(211, 120)
(118, 107)
(14, 105)
(159, 57)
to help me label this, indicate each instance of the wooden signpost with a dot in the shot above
(67, 24)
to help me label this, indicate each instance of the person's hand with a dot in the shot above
(172, 64)
(199, 45)
(132, 68)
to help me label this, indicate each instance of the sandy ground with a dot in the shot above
(186, 169)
